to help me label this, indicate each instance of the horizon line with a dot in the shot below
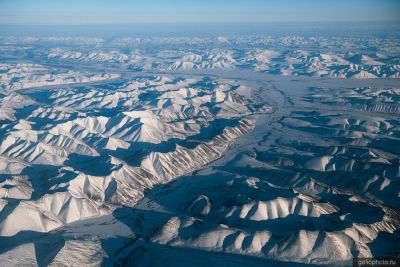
(204, 23)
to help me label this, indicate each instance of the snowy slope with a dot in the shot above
(194, 151)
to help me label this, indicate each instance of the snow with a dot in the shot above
(221, 150)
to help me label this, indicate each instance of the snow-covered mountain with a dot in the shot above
(232, 151)
(280, 62)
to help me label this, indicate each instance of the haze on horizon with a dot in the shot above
(74, 12)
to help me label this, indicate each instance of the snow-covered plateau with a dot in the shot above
(196, 151)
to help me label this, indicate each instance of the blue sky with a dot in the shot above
(78, 12)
